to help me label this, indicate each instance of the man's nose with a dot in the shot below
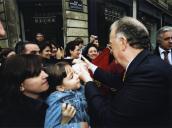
(170, 39)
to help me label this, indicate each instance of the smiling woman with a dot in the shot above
(91, 52)
(22, 84)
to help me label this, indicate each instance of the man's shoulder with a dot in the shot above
(156, 64)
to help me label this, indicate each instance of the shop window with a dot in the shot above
(152, 26)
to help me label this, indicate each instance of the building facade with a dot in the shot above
(64, 20)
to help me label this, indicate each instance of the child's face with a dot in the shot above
(71, 81)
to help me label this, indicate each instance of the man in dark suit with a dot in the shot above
(144, 96)
(164, 44)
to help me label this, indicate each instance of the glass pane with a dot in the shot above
(2, 16)
(1, 7)
(1, 1)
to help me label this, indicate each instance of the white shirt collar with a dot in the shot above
(162, 50)
(128, 65)
(162, 54)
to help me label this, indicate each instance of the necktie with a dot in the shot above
(166, 56)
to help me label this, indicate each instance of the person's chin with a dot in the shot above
(93, 58)
(46, 85)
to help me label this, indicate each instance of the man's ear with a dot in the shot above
(124, 43)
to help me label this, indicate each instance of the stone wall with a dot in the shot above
(75, 22)
(3, 40)
(11, 24)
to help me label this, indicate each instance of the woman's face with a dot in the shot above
(71, 81)
(35, 85)
(54, 50)
(46, 53)
(92, 53)
(76, 52)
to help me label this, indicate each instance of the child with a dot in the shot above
(66, 88)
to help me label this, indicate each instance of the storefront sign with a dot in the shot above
(76, 5)
(44, 20)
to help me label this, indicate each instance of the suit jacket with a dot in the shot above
(156, 51)
(143, 99)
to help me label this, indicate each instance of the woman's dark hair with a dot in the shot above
(70, 47)
(15, 70)
(56, 74)
(79, 40)
(4, 53)
(43, 45)
(55, 44)
(85, 53)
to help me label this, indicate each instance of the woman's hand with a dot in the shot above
(60, 53)
(68, 112)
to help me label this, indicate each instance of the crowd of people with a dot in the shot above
(125, 85)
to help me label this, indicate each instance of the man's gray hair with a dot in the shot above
(161, 31)
(136, 33)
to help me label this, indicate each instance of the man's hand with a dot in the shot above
(90, 65)
(82, 70)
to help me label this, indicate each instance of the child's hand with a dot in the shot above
(84, 125)
(68, 113)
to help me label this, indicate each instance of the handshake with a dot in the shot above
(81, 68)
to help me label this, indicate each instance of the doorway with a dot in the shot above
(41, 16)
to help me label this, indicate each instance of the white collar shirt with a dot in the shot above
(162, 55)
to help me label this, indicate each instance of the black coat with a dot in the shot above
(156, 51)
(23, 113)
(142, 101)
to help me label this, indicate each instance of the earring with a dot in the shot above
(21, 88)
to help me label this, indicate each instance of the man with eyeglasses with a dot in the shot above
(164, 44)
(144, 95)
